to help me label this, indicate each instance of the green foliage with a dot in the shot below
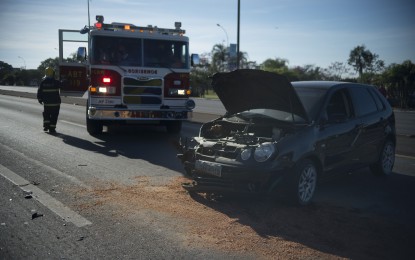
(363, 60)
(6, 74)
(20, 77)
(200, 81)
(336, 70)
(400, 81)
(51, 62)
(276, 65)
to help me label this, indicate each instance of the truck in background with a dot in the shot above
(132, 74)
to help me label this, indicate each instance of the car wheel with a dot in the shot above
(303, 182)
(386, 160)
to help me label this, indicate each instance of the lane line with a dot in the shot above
(405, 156)
(48, 201)
(51, 169)
(71, 123)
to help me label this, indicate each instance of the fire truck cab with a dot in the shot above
(132, 74)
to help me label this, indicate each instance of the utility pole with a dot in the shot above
(238, 42)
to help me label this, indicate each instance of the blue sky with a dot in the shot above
(316, 32)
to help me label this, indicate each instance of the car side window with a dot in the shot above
(338, 108)
(379, 103)
(363, 101)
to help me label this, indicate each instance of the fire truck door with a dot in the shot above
(74, 79)
(72, 74)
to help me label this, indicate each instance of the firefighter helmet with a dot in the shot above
(49, 72)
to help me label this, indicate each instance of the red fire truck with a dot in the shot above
(132, 74)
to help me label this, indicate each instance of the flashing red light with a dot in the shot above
(98, 25)
(106, 80)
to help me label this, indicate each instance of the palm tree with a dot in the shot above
(219, 57)
(363, 60)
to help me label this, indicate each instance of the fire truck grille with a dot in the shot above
(142, 92)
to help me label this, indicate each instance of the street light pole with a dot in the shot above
(23, 61)
(227, 38)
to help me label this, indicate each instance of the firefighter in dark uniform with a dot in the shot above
(48, 94)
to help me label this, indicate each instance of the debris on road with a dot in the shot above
(35, 214)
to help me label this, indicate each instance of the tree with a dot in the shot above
(243, 61)
(219, 58)
(277, 65)
(307, 72)
(200, 81)
(400, 79)
(363, 60)
(51, 62)
(336, 70)
(222, 61)
(6, 73)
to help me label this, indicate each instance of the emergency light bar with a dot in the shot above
(130, 27)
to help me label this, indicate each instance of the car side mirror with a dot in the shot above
(81, 54)
(194, 59)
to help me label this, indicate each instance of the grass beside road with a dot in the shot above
(211, 95)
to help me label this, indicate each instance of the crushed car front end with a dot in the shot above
(236, 155)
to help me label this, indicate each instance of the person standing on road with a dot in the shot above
(48, 95)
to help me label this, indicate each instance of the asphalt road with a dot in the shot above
(52, 192)
(56, 168)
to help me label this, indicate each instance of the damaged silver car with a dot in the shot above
(281, 137)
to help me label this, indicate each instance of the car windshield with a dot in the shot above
(267, 114)
(139, 52)
(312, 99)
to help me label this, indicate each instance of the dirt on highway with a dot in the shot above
(263, 228)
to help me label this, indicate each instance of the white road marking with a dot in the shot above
(50, 169)
(48, 201)
(405, 156)
(71, 123)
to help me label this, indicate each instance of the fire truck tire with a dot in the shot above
(94, 127)
(174, 127)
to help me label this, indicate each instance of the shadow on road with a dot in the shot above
(357, 216)
(151, 144)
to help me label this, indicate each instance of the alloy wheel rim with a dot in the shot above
(388, 158)
(307, 184)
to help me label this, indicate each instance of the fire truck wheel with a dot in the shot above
(94, 127)
(174, 127)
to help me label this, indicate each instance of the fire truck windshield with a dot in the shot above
(139, 52)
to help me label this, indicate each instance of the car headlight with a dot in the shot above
(264, 151)
(246, 154)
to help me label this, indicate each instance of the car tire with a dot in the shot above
(302, 183)
(384, 164)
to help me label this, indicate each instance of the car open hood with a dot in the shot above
(242, 90)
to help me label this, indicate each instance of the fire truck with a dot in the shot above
(131, 74)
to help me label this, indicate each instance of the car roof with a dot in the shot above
(325, 85)
(318, 84)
